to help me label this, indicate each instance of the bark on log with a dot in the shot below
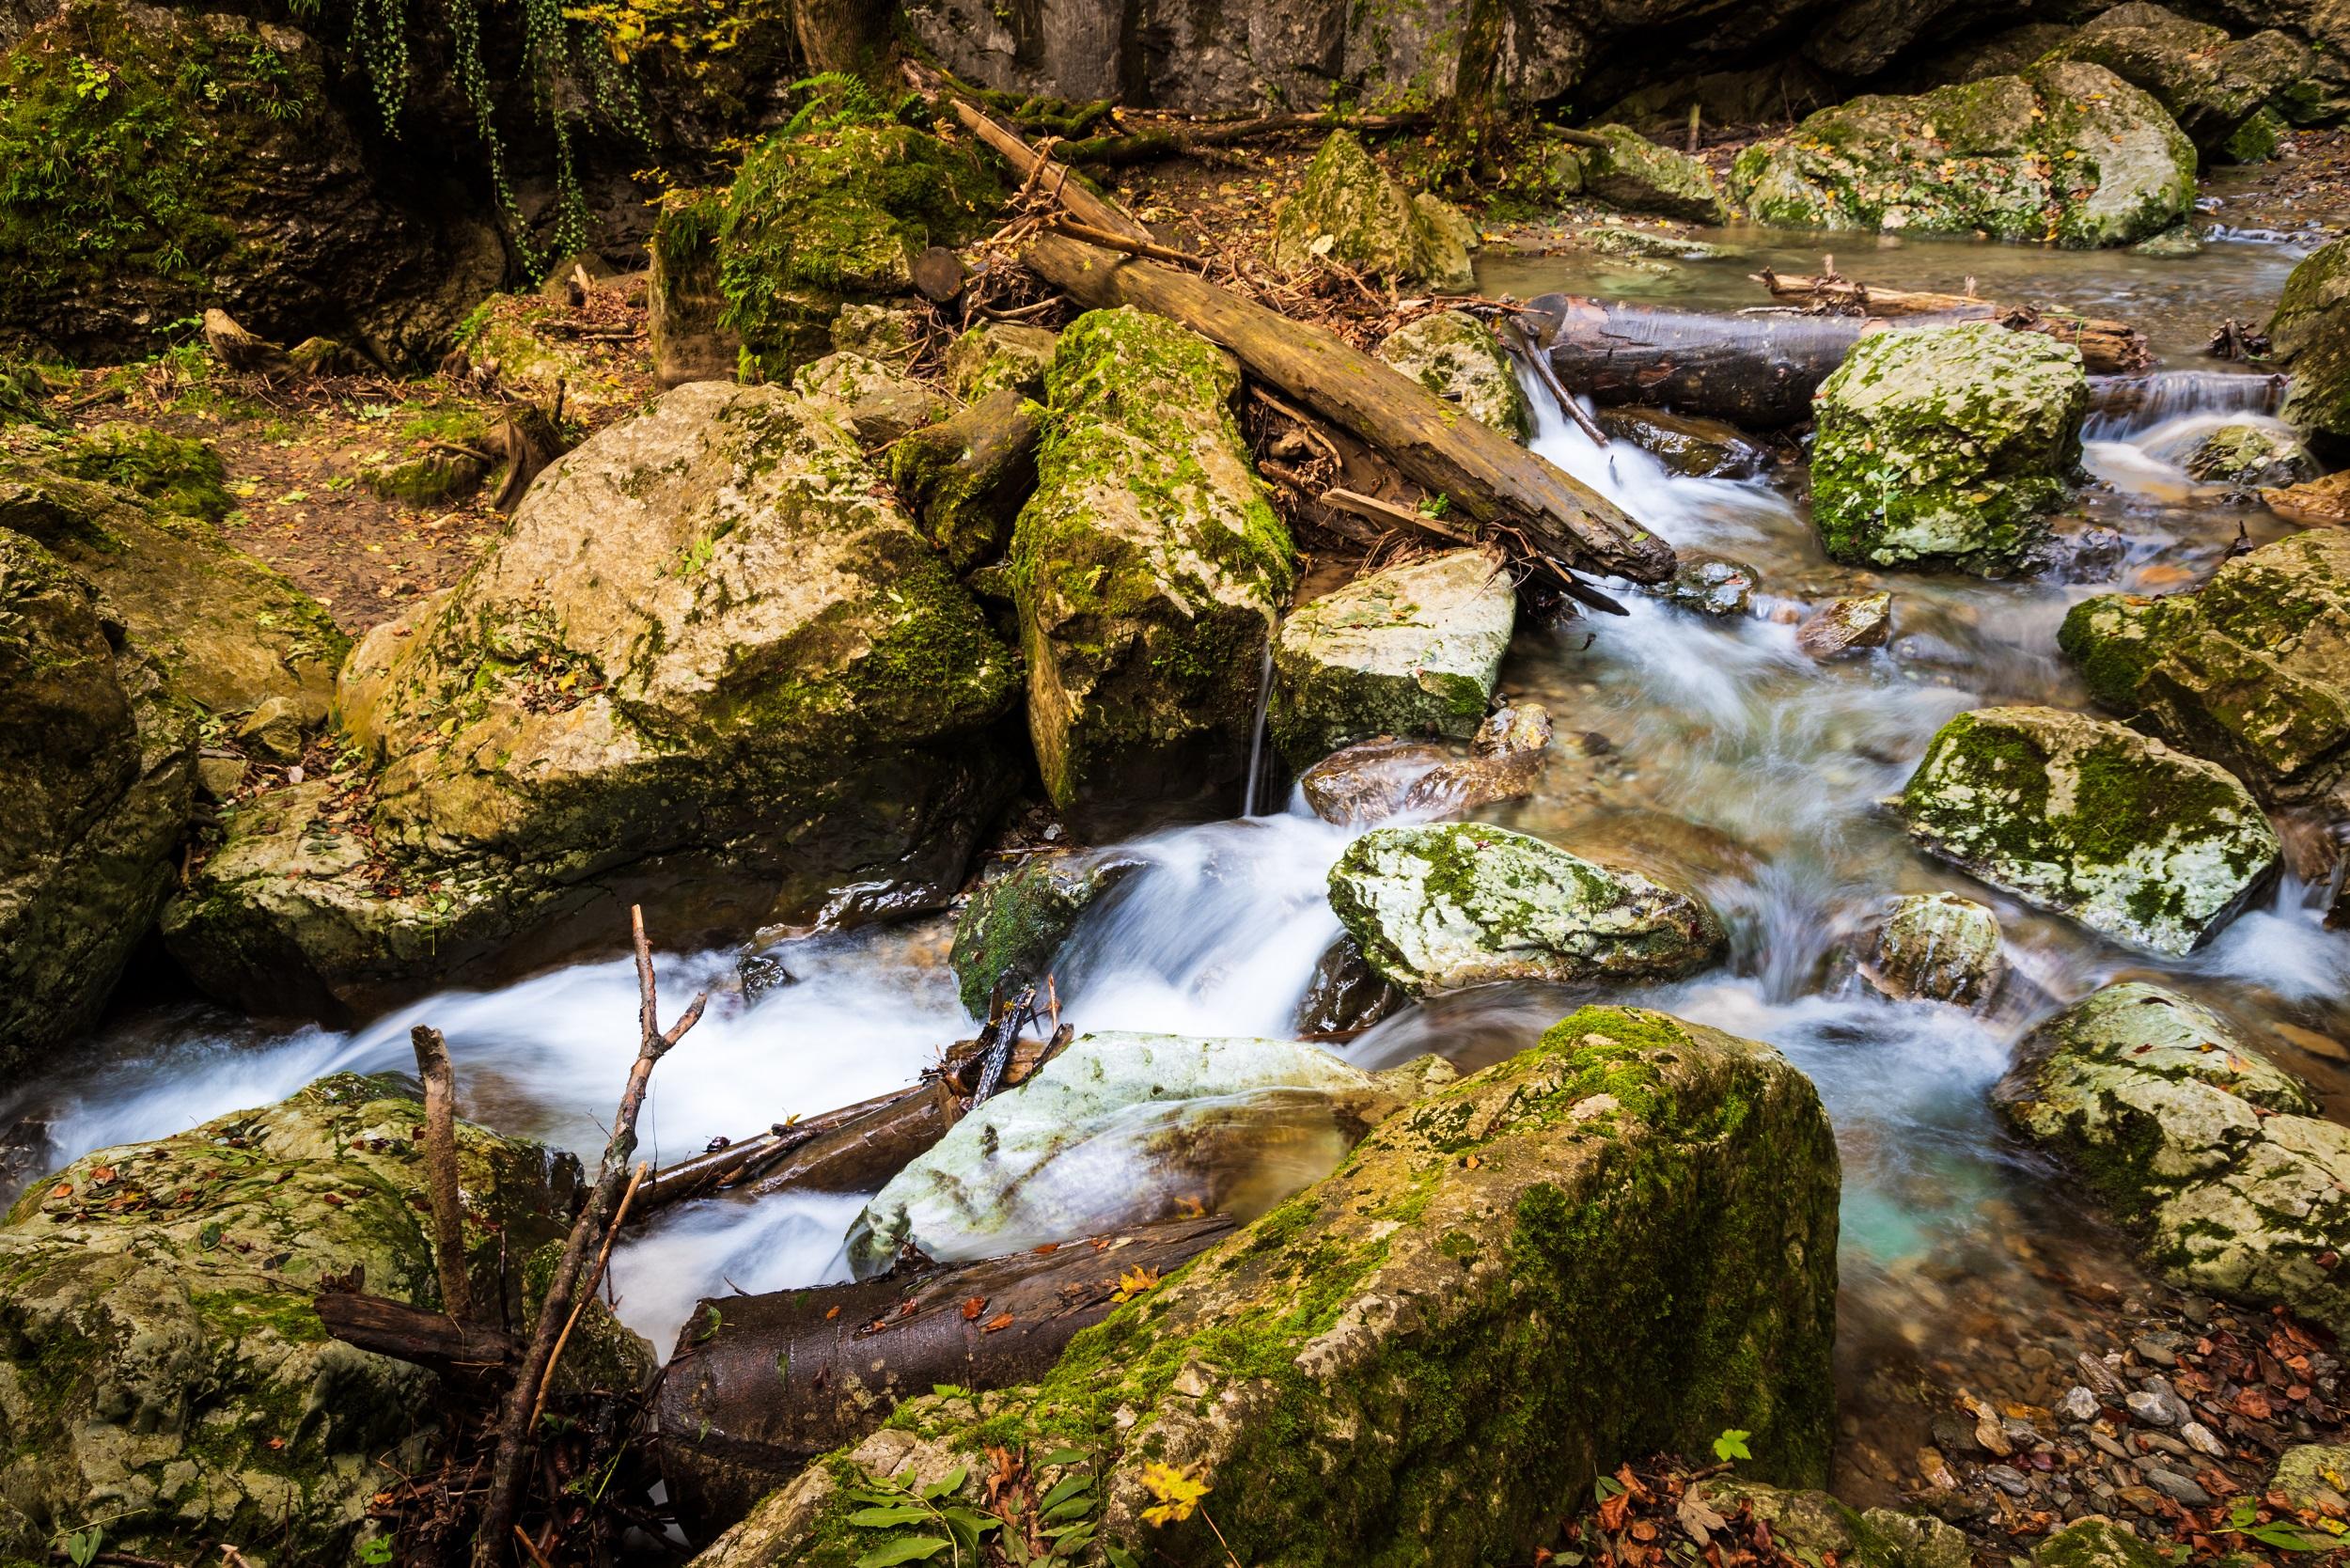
(761, 1384)
(440, 1169)
(863, 1153)
(2109, 348)
(1487, 476)
(1048, 176)
(1175, 141)
(416, 1334)
(243, 352)
(1758, 372)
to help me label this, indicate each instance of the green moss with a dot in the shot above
(181, 475)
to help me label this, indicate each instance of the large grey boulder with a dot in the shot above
(1457, 357)
(1150, 570)
(1639, 176)
(2210, 82)
(2147, 845)
(1351, 210)
(1411, 650)
(2066, 151)
(2220, 1163)
(1946, 446)
(2252, 671)
(2310, 336)
(1442, 907)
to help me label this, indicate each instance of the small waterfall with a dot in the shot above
(2122, 407)
(1257, 732)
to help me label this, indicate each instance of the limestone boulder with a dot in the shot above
(2211, 83)
(2310, 336)
(1457, 357)
(1639, 176)
(880, 405)
(2219, 1164)
(998, 355)
(2094, 821)
(1946, 446)
(1438, 908)
(1351, 210)
(965, 477)
(1938, 947)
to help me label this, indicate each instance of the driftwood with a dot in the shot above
(416, 1334)
(1043, 173)
(440, 1170)
(243, 352)
(1485, 474)
(761, 1384)
(2108, 347)
(1758, 371)
(529, 438)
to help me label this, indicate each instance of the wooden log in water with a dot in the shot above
(1757, 371)
(761, 1384)
(2109, 348)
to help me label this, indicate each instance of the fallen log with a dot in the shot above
(2108, 347)
(1175, 141)
(760, 1385)
(1757, 371)
(1486, 475)
(420, 1335)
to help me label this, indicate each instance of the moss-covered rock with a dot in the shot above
(2217, 1162)
(101, 761)
(1939, 947)
(1439, 908)
(1015, 922)
(1639, 176)
(176, 474)
(819, 217)
(2251, 457)
(1457, 357)
(2256, 141)
(165, 1370)
(2315, 1476)
(1349, 210)
(2066, 152)
(880, 404)
(2248, 670)
(1406, 650)
(2309, 334)
(1946, 446)
(965, 477)
(1812, 1524)
(710, 654)
(1150, 570)
(995, 354)
(2211, 83)
(2091, 820)
(1620, 1241)
(684, 307)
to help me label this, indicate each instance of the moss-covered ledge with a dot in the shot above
(1621, 1240)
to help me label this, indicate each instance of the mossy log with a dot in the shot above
(1487, 476)
(760, 1385)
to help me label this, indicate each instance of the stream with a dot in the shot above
(1711, 750)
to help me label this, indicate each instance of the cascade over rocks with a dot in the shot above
(1439, 908)
(2065, 151)
(2211, 85)
(2093, 821)
(2221, 1165)
(1622, 1240)
(1457, 357)
(1373, 780)
(166, 1368)
(1945, 446)
(1350, 211)
(710, 656)
(1150, 570)
(2250, 670)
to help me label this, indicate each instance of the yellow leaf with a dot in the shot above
(1135, 1281)
(1178, 1494)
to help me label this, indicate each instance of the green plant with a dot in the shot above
(2244, 1518)
(376, 1550)
(1731, 1445)
(891, 1506)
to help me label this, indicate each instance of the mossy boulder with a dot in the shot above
(2250, 670)
(1439, 908)
(879, 403)
(1639, 176)
(2093, 821)
(525, 339)
(176, 474)
(1618, 1242)
(2211, 83)
(709, 655)
(2065, 152)
(2097, 1542)
(2310, 336)
(2251, 457)
(966, 478)
(1946, 446)
(1150, 570)
(1938, 947)
(1812, 1524)
(1014, 923)
(1457, 357)
(101, 761)
(1407, 651)
(1350, 211)
(2221, 1164)
(685, 310)
(165, 1370)
(817, 218)
(230, 633)
(998, 355)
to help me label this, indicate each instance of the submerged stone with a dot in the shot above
(2091, 820)
(1457, 357)
(1349, 210)
(1945, 446)
(1373, 780)
(1712, 584)
(1439, 908)
(2221, 1166)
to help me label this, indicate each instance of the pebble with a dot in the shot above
(2178, 1488)
(2163, 1442)
(2144, 1498)
(2009, 1480)
(2155, 1404)
(2102, 1379)
(2161, 1349)
(2078, 1404)
(2204, 1439)
(2109, 1445)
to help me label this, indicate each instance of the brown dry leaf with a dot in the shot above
(830, 1312)
(63, 1189)
(973, 1307)
(1000, 1320)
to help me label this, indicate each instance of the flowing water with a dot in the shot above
(1711, 750)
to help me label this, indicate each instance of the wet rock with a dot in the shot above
(1687, 444)
(1407, 651)
(2078, 1404)
(1015, 922)
(1608, 238)
(2250, 670)
(2319, 503)
(1150, 572)
(2315, 1476)
(1120, 1129)
(2211, 85)
(2095, 1541)
(2093, 821)
(1373, 780)
(99, 761)
(2162, 1348)
(685, 310)
(1457, 357)
(2250, 456)
(2173, 244)
(2310, 336)
(994, 355)
(966, 477)
(1634, 173)
(1346, 995)
(1938, 947)
(2065, 151)
(1381, 1292)
(1945, 446)
(1847, 626)
(708, 642)
(1349, 210)
(2215, 1160)
(1712, 584)
(1439, 908)
(880, 404)
(163, 1292)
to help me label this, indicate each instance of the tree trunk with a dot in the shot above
(849, 37)
(2109, 348)
(1758, 372)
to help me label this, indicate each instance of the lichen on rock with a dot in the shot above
(1457, 357)
(1351, 210)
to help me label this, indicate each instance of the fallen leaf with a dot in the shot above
(1001, 1320)
(830, 1312)
(973, 1307)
